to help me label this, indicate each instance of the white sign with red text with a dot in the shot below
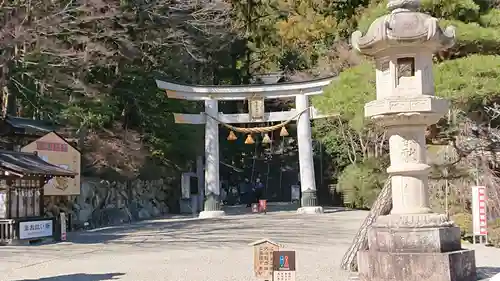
(479, 216)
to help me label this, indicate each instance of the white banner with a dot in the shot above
(295, 192)
(479, 216)
(63, 226)
(35, 229)
(186, 186)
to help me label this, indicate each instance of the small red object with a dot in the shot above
(263, 205)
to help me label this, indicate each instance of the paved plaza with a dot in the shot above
(186, 249)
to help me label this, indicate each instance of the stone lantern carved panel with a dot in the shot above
(427, 75)
(406, 67)
(406, 82)
(384, 78)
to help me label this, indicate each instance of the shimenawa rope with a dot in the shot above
(255, 130)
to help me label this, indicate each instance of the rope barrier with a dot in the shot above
(255, 130)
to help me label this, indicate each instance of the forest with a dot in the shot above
(90, 66)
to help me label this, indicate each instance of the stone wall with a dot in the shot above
(104, 203)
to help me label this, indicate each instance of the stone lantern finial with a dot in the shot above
(410, 5)
(403, 28)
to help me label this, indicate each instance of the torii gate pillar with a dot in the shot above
(212, 185)
(306, 161)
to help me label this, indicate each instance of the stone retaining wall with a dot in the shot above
(104, 203)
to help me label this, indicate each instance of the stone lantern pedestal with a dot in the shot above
(412, 243)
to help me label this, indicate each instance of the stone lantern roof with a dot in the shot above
(403, 27)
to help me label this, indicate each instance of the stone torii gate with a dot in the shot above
(255, 94)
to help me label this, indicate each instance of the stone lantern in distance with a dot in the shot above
(412, 243)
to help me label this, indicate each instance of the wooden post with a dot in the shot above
(9, 199)
(40, 199)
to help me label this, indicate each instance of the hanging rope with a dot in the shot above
(253, 162)
(269, 165)
(255, 130)
(282, 148)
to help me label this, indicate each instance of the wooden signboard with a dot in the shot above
(55, 150)
(263, 258)
(256, 108)
(284, 266)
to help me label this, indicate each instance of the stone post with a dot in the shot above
(212, 186)
(306, 160)
(412, 243)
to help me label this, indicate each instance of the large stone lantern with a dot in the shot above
(412, 243)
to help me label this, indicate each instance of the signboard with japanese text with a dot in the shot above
(263, 258)
(283, 275)
(284, 266)
(35, 229)
(256, 108)
(55, 150)
(479, 215)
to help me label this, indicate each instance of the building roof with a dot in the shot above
(24, 163)
(265, 240)
(64, 139)
(30, 126)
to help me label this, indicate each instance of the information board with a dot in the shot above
(284, 266)
(263, 258)
(35, 229)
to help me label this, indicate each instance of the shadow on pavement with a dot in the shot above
(274, 208)
(238, 227)
(487, 272)
(107, 234)
(79, 277)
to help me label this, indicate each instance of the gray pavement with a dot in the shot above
(187, 249)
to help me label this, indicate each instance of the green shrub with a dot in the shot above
(494, 237)
(464, 221)
(361, 183)
(494, 232)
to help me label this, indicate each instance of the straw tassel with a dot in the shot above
(283, 132)
(249, 139)
(231, 136)
(266, 139)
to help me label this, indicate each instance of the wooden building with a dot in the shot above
(52, 144)
(22, 177)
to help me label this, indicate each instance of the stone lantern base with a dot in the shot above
(424, 247)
